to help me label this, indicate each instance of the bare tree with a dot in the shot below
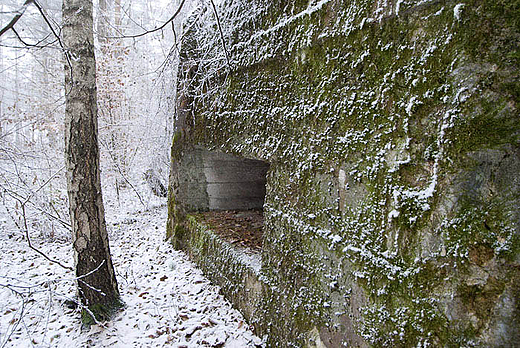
(97, 290)
(97, 285)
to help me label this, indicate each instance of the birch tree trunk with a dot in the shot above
(97, 285)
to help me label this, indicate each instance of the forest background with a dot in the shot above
(135, 99)
(136, 46)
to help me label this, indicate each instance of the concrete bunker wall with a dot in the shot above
(392, 133)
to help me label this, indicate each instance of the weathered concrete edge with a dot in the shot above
(221, 263)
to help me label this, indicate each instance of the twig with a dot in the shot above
(15, 325)
(25, 292)
(15, 19)
(80, 278)
(20, 13)
(152, 30)
(90, 272)
(33, 248)
(20, 199)
(64, 223)
(58, 216)
(121, 172)
(221, 33)
(37, 45)
(40, 9)
(43, 185)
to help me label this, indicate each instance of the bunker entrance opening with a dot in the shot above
(229, 193)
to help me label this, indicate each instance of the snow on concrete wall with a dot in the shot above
(392, 133)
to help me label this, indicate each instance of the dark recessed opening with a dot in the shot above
(229, 193)
(234, 183)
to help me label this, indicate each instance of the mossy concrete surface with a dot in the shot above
(392, 132)
(239, 281)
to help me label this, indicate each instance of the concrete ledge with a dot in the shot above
(236, 272)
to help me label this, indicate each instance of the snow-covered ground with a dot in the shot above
(168, 301)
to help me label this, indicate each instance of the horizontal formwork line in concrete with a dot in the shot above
(232, 191)
(236, 185)
(228, 204)
(256, 182)
(238, 174)
(240, 164)
(253, 182)
(242, 197)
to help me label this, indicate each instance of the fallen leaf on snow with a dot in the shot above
(192, 330)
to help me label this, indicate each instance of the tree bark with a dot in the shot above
(97, 285)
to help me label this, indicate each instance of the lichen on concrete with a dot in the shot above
(392, 132)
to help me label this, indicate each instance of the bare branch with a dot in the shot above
(33, 248)
(43, 185)
(20, 199)
(221, 33)
(121, 172)
(20, 13)
(152, 30)
(25, 229)
(37, 45)
(15, 19)
(40, 9)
